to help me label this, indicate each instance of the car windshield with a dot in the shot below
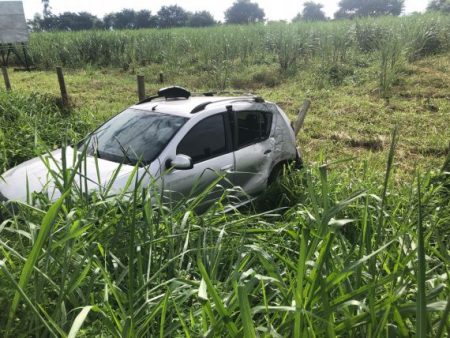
(133, 136)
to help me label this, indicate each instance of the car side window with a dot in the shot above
(266, 124)
(252, 127)
(205, 140)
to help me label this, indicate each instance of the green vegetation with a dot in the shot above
(240, 12)
(358, 8)
(32, 124)
(293, 46)
(439, 5)
(354, 245)
(244, 12)
(347, 259)
(311, 12)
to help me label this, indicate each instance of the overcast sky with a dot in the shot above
(275, 9)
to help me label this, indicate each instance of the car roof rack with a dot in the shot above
(202, 106)
(177, 92)
(173, 92)
(242, 95)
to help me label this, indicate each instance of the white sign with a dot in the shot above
(13, 26)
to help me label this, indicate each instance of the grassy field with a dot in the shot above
(346, 120)
(360, 247)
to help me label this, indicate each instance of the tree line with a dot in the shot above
(167, 17)
(241, 12)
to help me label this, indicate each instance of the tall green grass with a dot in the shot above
(337, 249)
(223, 50)
(30, 124)
(288, 43)
(127, 265)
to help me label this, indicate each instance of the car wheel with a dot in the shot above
(277, 173)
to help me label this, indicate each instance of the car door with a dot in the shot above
(254, 148)
(209, 145)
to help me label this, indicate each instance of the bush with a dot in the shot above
(369, 36)
(257, 77)
(30, 124)
(427, 41)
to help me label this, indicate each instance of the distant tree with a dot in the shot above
(172, 16)
(201, 19)
(130, 19)
(145, 19)
(311, 12)
(47, 10)
(67, 21)
(125, 19)
(108, 20)
(439, 5)
(40, 23)
(360, 8)
(244, 11)
(76, 21)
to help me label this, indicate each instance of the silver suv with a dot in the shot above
(180, 141)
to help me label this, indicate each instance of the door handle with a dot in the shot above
(268, 151)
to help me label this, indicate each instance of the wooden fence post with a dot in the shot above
(161, 77)
(301, 116)
(6, 78)
(141, 87)
(62, 87)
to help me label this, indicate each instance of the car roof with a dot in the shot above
(185, 106)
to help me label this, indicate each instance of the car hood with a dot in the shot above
(34, 175)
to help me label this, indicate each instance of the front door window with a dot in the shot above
(205, 140)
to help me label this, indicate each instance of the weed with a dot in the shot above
(126, 264)
(392, 61)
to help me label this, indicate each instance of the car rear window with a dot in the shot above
(134, 136)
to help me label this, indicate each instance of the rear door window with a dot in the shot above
(207, 139)
(252, 127)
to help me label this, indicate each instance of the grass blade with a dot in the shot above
(46, 226)
(421, 321)
(27, 300)
(78, 322)
(220, 307)
(245, 312)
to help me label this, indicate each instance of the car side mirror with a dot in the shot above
(181, 162)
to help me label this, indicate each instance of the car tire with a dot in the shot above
(279, 169)
(276, 173)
